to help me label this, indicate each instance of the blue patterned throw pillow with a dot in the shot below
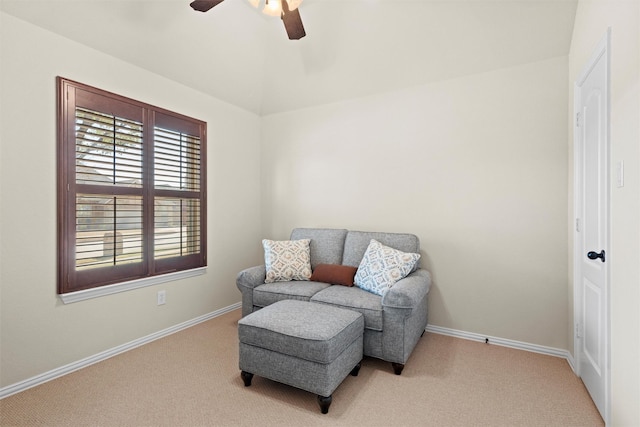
(382, 266)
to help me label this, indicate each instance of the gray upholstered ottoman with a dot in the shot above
(306, 345)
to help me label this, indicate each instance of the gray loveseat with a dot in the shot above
(393, 323)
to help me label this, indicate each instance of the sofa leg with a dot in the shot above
(324, 403)
(356, 369)
(397, 368)
(246, 377)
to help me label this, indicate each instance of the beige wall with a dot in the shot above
(475, 166)
(592, 20)
(38, 332)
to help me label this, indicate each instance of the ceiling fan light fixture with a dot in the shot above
(286, 11)
(272, 8)
(293, 4)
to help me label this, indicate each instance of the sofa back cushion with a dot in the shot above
(327, 244)
(356, 244)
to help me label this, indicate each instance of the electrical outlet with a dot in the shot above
(162, 297)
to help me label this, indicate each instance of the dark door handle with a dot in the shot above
(596, 255)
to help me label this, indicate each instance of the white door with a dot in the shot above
(592, 227)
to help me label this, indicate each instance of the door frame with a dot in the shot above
(602, 49)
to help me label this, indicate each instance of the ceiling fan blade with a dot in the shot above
(204, 5)
(292, 22)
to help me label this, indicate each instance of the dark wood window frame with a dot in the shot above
(131, 189)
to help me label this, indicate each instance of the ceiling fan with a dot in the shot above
(286, 9)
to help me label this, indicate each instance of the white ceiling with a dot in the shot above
(353, 47)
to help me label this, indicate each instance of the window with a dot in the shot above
(131, 189)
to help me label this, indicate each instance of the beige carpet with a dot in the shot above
(192, 379)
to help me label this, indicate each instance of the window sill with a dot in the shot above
(72, 297)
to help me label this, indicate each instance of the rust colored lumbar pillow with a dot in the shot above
(334, 274)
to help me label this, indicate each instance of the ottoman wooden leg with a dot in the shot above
(324, 403)
(355, 370)
(246, 377)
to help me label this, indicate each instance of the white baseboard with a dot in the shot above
(535, 348)
(67, 369)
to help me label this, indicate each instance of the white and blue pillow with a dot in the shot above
(382, 267)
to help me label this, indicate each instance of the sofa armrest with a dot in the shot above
(251, 277)
(246, 281)
(408, 292)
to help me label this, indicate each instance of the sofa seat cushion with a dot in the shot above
(353, 298)
(269, 293)
(303, 330)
